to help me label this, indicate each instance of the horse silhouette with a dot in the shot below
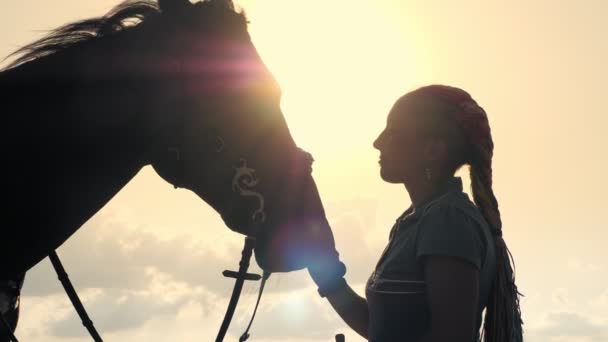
(174, 85)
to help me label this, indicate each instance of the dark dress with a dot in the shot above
(447, 224)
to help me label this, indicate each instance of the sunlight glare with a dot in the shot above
(330, 73)
(341, 65)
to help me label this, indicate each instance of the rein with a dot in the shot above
(71, 292)
(240, 277)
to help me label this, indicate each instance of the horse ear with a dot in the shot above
(171, 6)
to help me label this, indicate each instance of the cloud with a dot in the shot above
(112, 256)
(575, 264)
(571, 324)
(300, 314)
(110, 314)
(603, 298)
(118, 309)
(352, 221)
(129, 278)
(297, 315)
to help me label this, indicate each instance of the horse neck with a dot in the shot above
(65, 111)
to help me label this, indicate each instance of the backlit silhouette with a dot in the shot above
(175, 85)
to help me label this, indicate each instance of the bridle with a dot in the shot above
(243, 176)
(257, 219)
(240, 278)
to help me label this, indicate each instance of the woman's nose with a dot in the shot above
(377, 142)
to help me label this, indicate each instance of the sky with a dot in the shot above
(148, 265)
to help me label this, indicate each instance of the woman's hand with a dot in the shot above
(351, 307)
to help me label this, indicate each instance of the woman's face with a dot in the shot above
(401, 144)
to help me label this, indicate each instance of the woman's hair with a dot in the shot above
(502, 321)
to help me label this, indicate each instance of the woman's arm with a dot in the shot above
(351, 307)
(453, 291)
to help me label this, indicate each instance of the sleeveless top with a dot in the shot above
(447, 224)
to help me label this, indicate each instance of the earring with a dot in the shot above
(428, 174)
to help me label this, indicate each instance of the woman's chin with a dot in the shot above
(388, 176)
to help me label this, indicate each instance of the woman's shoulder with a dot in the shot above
(453, 226)
(454, 206)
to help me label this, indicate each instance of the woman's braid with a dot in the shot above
(502, 322)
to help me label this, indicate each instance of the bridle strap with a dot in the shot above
(9, 329)
(240, 277)
(245, 335)
(71, 292)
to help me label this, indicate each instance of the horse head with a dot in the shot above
(223, 136)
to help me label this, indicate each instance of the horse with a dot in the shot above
(171, 84)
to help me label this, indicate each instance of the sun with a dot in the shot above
(340, 64)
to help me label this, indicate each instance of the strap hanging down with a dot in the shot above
(240, 277)
(71, 292)
(245, 335)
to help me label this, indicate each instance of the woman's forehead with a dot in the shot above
(401, 115)
(411, 110)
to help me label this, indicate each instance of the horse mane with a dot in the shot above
(123, 17)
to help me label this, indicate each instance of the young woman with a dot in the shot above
(446, 259)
